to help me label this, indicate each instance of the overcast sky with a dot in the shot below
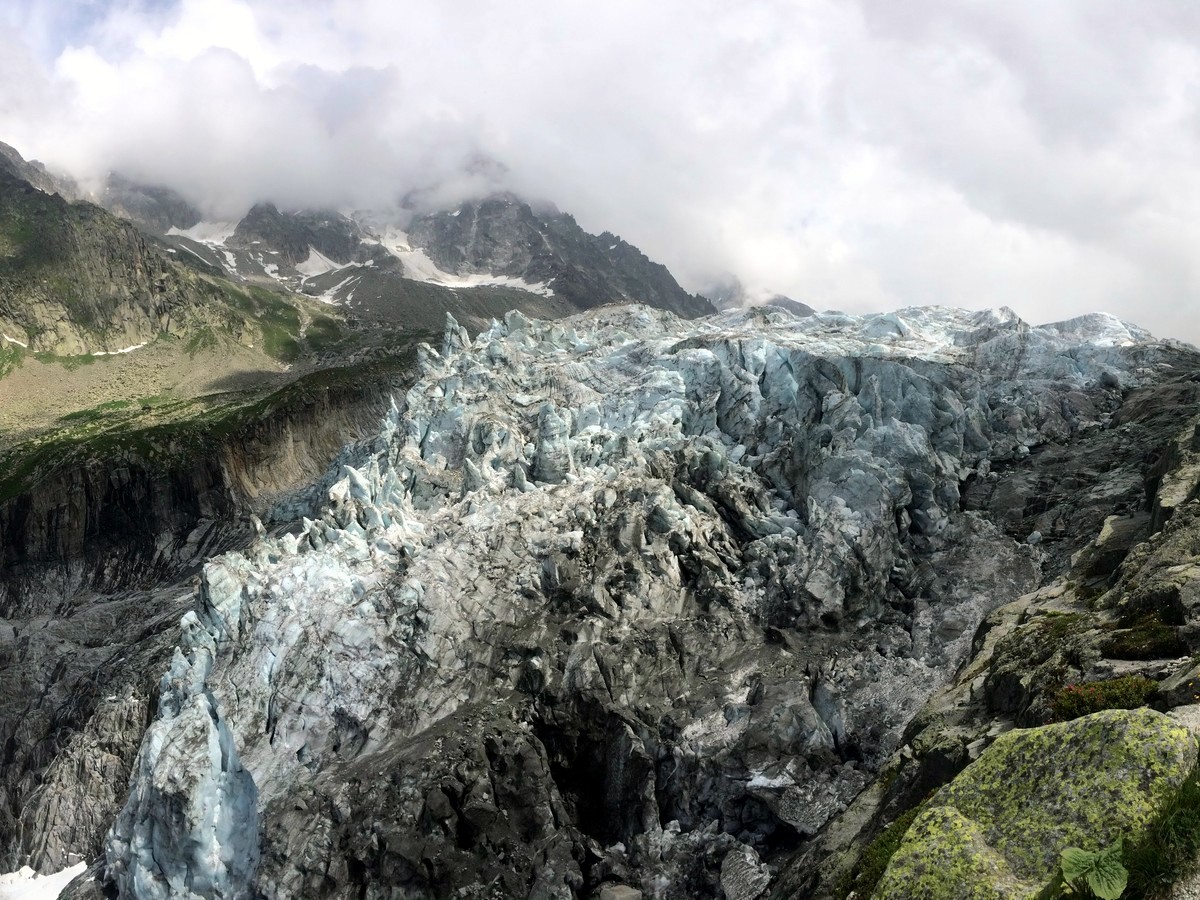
(860, 155)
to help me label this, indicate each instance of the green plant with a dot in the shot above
(70, 363)
(1157, 642)
(11, 357)
(203, 338)
(1075, 700)
(862, 879)
(1169, 848)
(1100, 872)
(1148, 636)
(323, 333)
(1059, 625)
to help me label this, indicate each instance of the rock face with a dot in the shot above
(152, 208)
(998, 828)
(478, 262)
(138, 518)
(75, 279)
(1114, 626)
(614, 604)
(36, 174)
(505, 236)
(295, 235)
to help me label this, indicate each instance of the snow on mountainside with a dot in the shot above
(419, 267)
(28, 885)
(477, 262)
(622, 598)
(308, 274)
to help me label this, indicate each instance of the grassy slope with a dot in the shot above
(169, 431)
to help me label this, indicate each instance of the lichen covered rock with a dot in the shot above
(997, 830)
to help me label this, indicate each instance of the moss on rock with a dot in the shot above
(998, 828)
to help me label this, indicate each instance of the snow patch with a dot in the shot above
(13, 340)
(29, 885)
(419, 267)
(214, 233)
(330, 296)
(316, 264)
(129, 349)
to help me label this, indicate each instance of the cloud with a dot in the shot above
(861, 155)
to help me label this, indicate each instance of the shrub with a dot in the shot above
(1146, 637)
(1075, 700)
(1154, 642)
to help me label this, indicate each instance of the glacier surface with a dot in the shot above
(617, 598)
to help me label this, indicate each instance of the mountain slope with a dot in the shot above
(508, 258)
(154, 209)
(73, 278)
(36, 174)
(502, 235)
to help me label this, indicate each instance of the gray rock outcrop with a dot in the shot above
(503, 235)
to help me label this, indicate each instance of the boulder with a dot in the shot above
(998, 828)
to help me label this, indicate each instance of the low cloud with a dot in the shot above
(862, 155)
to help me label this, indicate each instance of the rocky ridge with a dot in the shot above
(503, 235)
(77, 281)
(74, 279)
(655, 619)
(475, 262)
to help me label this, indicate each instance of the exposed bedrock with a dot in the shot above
(618, 601)
(138, 518)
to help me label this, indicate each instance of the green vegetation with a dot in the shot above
(1169, 849)
(1165, 853)
(96, 412)
(1146, 637)
(278, 343)
(92, 435)
(1126, 692)
(203, 338)
(70, 363)
(18, 235)
(324, 333)
(1057, 626)
(167, 432)
(11, 357)
(276, 318)
(997, 829)
(861, 880)
(1100, 871)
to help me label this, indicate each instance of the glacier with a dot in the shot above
(620, 599)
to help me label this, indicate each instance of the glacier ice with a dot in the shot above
(714, 543)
